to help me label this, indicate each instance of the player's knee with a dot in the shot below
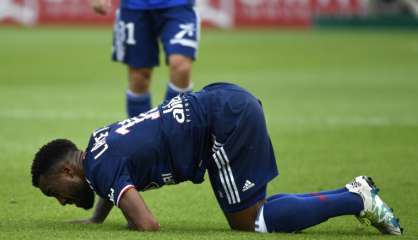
(180, 68)
(180, 64)
(244, 220)
(139, 79)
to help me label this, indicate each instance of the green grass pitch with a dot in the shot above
(338, 104)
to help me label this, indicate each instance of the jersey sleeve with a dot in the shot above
(115, 182)
(119, 187)
(108, 175)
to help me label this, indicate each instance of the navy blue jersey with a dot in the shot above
(154, 4)
(220, 129)
(166, 145)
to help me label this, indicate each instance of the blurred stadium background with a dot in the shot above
(338, 80)
(232, 13)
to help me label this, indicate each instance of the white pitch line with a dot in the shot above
(323, 120)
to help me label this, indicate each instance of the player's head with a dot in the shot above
(58, 172)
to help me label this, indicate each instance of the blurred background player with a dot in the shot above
(139, 26)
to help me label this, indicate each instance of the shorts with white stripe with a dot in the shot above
(137, 33)
(242, 160)
(225, 175)
(232, 197)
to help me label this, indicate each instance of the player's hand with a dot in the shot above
(101, 7)
(84, 221)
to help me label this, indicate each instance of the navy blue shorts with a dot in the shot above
(243, 160)
(137, 33)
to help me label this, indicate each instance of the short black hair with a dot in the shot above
(49, 155)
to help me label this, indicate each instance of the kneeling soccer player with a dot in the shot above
(220, 129)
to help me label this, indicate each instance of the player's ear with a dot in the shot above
(67, 169)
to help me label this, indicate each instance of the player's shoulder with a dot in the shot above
(101, 162)
(97, 144)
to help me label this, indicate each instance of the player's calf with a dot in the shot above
(139, 80)
(293, 213)
(138, 98)
(180, 74)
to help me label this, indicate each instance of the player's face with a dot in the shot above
(67, 190)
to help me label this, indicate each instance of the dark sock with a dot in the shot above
(276, 196)
(137, 103)
(292, 213)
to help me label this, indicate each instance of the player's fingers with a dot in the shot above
(100, 10)
(101, 6)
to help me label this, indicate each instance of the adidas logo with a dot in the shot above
(247, 185)
(355, 184)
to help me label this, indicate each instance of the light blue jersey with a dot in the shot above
(154, 4)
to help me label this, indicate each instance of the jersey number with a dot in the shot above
(129, 29)
(126, 124)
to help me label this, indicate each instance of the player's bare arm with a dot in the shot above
(136, 212)
(101, 211)
(101, 7)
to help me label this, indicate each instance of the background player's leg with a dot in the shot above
(180, 75)
(292, 213)
(135, 44)
(180, 37)
(138, 98)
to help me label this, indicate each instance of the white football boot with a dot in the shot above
(375, 212)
